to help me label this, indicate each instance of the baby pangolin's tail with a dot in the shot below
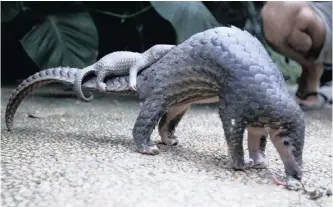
(81, 74)
(63, 75)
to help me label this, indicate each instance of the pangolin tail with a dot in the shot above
(63, 75)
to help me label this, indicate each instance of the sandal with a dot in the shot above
(299, 95)
(322, 100)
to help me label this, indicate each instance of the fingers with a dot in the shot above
(295, 55)
(306, 36)
(293, 29)
(274, 27)
(286, 50)
(309, 22)
(299, 41)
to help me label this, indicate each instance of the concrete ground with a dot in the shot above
(82, 154)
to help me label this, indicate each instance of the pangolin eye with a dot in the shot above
(286, 143)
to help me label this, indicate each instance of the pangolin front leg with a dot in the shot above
(234, 128)
(151, 111)
(116, 63)
(148, 58)
(168, 124)
(133, 72)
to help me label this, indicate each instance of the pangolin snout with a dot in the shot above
(289, 157)
(294, 171)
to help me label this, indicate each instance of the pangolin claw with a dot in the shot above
(170, 141)
(148, 150)
(102, 87)
(132, 87)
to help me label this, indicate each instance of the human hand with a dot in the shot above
(293, 29)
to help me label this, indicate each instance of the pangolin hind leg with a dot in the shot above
(101, 74)
(168, 124)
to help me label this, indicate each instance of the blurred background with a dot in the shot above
(40, 35)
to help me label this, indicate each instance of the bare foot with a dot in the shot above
(149, 150)
(309, 101)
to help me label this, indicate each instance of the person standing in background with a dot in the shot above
(302, 31)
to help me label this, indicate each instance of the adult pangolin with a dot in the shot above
(225, 65)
